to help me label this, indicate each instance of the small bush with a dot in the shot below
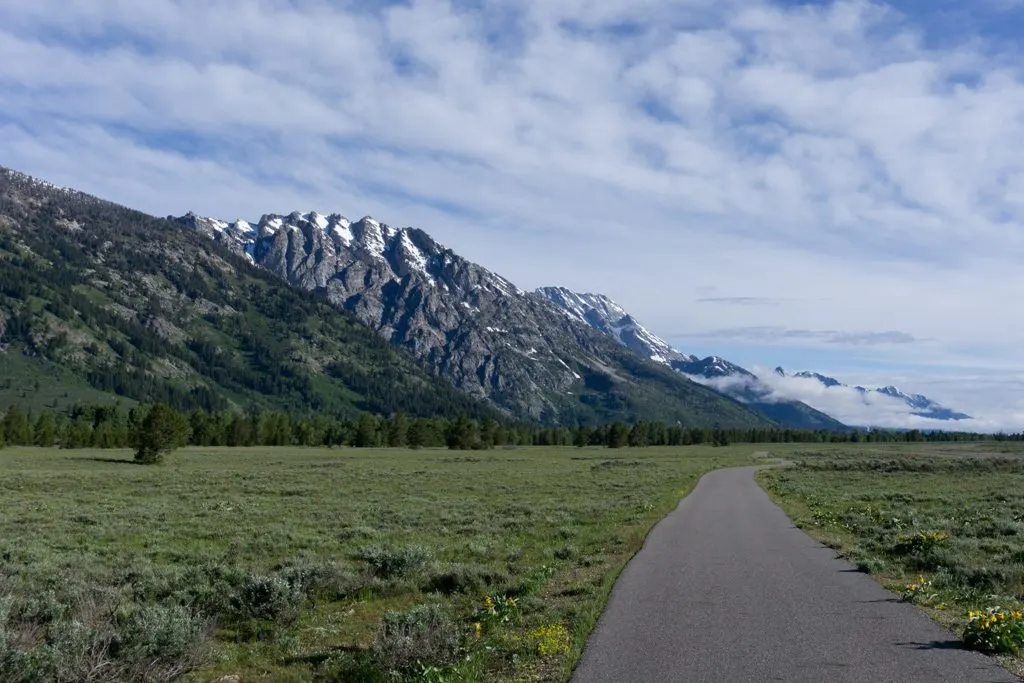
(921, 592)
(208, 589)
(269, 598)
(988, 578)
(158, 643)
(459, 578)
(920, 543)
(395, 563)
(423, 635)
(566, 552)
(351, 667)
(327, 580)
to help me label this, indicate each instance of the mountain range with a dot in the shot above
(603, 314)
(324, 312)
(98, 301)
(467, 323)
(499, 344)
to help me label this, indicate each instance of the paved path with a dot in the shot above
(727, 589)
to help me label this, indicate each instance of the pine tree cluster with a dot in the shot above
(115, 427)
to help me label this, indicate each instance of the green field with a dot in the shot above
(282, 562)
(942, 525)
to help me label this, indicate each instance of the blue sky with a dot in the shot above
(835, 186)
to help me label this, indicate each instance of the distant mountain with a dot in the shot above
(514, 349)
(827, 381)
(745, 386)
(920, 405)
(609, 318)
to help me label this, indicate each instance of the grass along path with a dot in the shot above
(281, 564)
(942, 525)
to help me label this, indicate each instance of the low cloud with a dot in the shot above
(855, 408)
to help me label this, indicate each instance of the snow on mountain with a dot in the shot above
(366, 236)
(924, 406)
(711, 367)
(827, 381)
(606, 316)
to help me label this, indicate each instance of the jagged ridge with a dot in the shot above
(494, 341)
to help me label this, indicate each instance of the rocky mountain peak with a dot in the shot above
(606, 316)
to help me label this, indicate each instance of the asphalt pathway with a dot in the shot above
(727, 589)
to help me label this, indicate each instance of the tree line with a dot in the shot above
(117, 427)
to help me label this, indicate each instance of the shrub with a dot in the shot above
(922, 592)
(210, 589)
(157, 643)
(920, 543)
(97, 643)
(924, 551)
(423, 635)
(392, 563)
(270, 598)
(459, 578)
(329, 580)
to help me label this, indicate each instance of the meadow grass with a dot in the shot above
(314, 564)
(940, 524)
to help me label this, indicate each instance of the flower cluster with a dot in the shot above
(921, 593)
(498, 609)
(996, 630)
(552, 639)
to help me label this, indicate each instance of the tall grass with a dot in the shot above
(324, 565)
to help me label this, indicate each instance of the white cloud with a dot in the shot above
(853, 407)
(821, 157)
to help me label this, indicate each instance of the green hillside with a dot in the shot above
(99, 301)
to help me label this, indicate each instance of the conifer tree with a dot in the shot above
(17, 431)
(161, 431)
(44, 433)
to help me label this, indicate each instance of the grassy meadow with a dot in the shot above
(280, 564)
(942, 525)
